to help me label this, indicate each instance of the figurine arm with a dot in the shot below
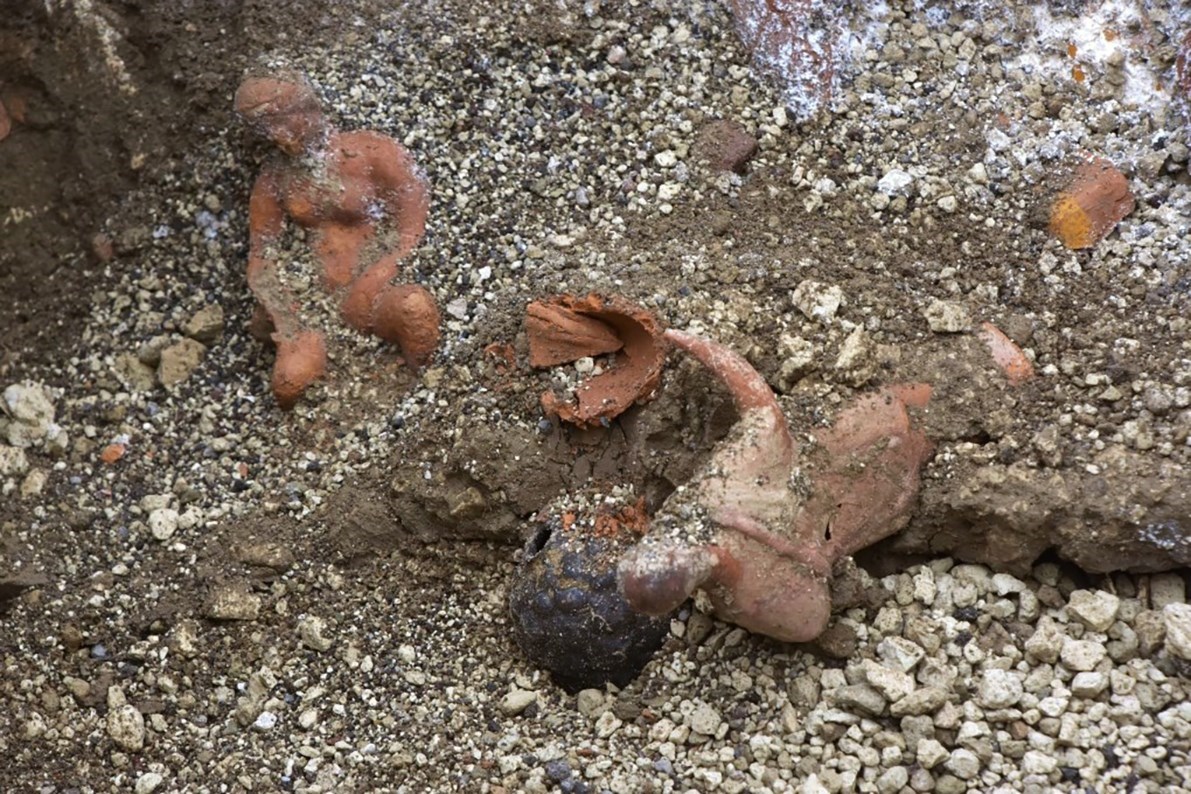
(266, 218)
(406, 202)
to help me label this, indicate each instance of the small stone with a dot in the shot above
(923, 700)
(184, 639)
(818, 301)
(149, 782)
(892, 684)
(666, 159)
(947, 317)
(308, 719)
(1035, 762)
(126, 726)
(893, 780)
(704, 719)
(948, 204)
(178, 361)
(163, 523)
(963, 763)
(999, 689)
(136, 375)
(314, 633)
(1177, 619)
(896, 182)
(206, 325)
(232, 601)
(265, 721)
(1003, 584)
(1167, 588)
(1096, 609)
(78, 688)
(589, 702)
(517, 701)
(930, 753)
(1150, 628)
(265, 554)
(860, 697)
(899, 653)
(1083, 655)
(726, 146)
(12, 460)
(1046, 642)
(1088, 685)
(31, 409)
(33, 483)
(838, 641)
(607, 724)
(856, 356)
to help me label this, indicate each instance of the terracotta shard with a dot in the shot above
(1007, 355)
(559, 334)
(631, 379)
(1091, 207)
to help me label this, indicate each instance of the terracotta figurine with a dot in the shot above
(364, 207)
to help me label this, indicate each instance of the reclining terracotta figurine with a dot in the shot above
(761, 525)
(364, 205)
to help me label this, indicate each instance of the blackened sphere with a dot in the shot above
(568, 615)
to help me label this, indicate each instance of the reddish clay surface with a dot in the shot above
(640, 353)
(5, 122)
(362, 172)
(559, 334)
(1006, 354)
(768, 564)
(1091, 207)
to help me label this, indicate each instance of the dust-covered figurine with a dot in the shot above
(363, 205)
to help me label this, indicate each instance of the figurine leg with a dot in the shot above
(407, 316)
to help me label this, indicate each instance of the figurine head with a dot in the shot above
(286, 108)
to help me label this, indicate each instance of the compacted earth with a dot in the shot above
(199, 591)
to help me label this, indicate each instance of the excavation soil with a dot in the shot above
(392, 503)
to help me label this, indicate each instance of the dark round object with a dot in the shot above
(569, 616)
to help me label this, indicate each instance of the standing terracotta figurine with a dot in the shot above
(364, 207)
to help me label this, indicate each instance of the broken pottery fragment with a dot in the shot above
(1097, 199)
(567, 325)
(559, 334)
(1007, 355)
(364, 207)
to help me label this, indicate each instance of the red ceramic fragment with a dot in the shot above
(619, 325)
(1097, 199)
(559, 334)
(1007, 355)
